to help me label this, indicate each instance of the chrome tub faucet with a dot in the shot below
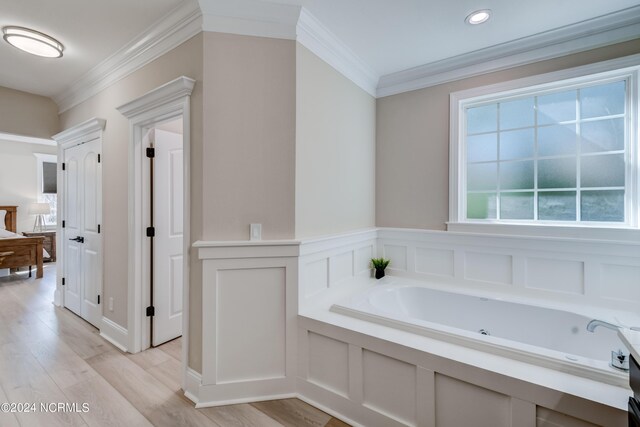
(591, 326)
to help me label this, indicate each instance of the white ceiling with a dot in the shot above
(90, 30)
(387, 35)
(395, 35)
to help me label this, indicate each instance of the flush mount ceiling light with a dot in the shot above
(33, 42)
(478, 17)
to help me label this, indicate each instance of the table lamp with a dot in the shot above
(39, 210)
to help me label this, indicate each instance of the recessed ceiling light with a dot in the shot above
(33, 42)
(478, 17)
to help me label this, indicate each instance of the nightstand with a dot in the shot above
(49, 243)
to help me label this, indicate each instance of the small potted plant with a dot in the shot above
(379, 264)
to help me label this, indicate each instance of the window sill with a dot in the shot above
(620, 234)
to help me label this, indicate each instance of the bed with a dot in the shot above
(16, 250)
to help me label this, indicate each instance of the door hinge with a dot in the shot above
(63, 223)
(98, 299)
(151, 231)
(63, 166)
(151, 152)
(151, 311)
(98, 158)
(98, 228)
(63, 281)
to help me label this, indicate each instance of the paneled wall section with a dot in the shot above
(600, 273)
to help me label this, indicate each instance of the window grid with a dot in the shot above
(578, 122)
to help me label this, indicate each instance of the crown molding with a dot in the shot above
(12, 137)
(173, 29)
(165, 94)
(250, 18)
(613, 28)
(81, 130)
(313, 35)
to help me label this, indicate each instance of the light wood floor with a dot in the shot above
(49, 355)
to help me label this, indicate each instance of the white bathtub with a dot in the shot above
(543, 336)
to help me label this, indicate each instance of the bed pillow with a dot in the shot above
(6, 234)
(2, 215)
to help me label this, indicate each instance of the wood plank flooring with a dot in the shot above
(49, 355)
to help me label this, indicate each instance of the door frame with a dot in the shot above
(84, 132)
(162, 104)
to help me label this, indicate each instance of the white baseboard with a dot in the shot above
(114, 333)
(57, 298)
(192, 389)
(252, 399)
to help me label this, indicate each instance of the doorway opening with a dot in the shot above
(164, 190)
(157, 108)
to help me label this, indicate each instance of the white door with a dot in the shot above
(168, 249)
(81, 232)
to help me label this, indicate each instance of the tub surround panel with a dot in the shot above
(329, 265)
(556, 275)
(341, 267)
(398, 254)
(329, 363)
(317, 277)
(599, 273)
(439, 262)
(459, 403)
(390, 387)
(249, 317)
(394, 385)
(626, 279)
(362, 263)
(488, 267)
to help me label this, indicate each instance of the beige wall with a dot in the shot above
(19, 178)
(249, 133)
(185, 59)
(335, 150)
(23, 113)
(412, 156)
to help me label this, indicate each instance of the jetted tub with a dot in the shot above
(547, 337)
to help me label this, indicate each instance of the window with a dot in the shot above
(561, 152)
(47, 185)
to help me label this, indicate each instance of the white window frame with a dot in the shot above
(40, 159)
(627, 67)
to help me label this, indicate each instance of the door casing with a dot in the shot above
(87, 131)
(165, 103)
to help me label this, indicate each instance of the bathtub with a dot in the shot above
(543, 336)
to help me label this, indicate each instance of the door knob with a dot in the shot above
(78, 239)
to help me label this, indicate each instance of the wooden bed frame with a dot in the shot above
(22, 251)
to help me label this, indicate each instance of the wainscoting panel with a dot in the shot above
(329, 264)
(398, 256)
(249, 324)
(488, 267)
(452, 394)
(555, 275)
(341, 267)
(316, 276)
(620, 282)
(329, 363)
(250, 327)
(600, 273)
(392, 385)
(439, 262)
